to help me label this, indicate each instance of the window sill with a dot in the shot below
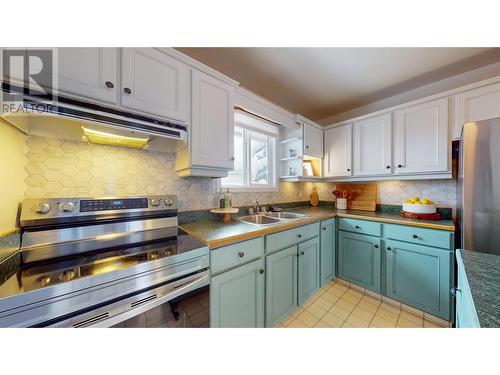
(251, 190)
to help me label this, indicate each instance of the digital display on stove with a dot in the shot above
(92, 205)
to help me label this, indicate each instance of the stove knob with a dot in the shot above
(169, 201)
(66, 207)
(155, 202)
(43, 208)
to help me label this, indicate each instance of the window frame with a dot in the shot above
(248, 186)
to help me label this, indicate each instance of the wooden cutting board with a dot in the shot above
(363, 196)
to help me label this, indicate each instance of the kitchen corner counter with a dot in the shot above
(483, 275)
(215, 233)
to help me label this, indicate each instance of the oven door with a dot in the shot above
(180, 303)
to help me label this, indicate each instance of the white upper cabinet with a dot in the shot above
(89, 72)
(212, 128)
(313, 141)
(421, 138)
(156, 83)
(338, 151)
(372, 152)
(474, 105)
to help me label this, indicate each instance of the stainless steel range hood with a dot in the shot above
(75, 120)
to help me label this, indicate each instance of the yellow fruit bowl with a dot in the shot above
(419, 208)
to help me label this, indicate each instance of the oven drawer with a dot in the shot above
(224, 258)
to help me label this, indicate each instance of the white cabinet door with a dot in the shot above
(422, 138)
(313, 141)
(372, 146)
(475, 105)
(338, 148)
(212, 128)
(155, 83)
(89, 72)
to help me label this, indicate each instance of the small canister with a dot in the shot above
(342, 203)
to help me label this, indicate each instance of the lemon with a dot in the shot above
(426, 201)
(415, 199)
(407, 201)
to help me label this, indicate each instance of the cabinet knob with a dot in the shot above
(389, 248)
(388, 167)
(261, 271)
(307, 146)
(109, 84)
(453, 291)
(241, 254)
(400, 166)
(232, 158)
(299, 236)
(415, 236)
(375, 246)
(357, 227)
(127, 91)
(324, 228)
(348, 169)
(301, 253)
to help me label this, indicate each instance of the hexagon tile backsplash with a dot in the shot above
(58, 168)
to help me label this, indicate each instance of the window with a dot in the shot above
(255, 159)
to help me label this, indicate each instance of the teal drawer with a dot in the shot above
(360, 226)
(420, 236)
(231, 256)
(291, 237)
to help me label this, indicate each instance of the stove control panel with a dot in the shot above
(54, 208)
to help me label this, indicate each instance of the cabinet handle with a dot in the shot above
(241, 254)
(324, 228)
(127, 91)
(388, 167)
(389, 249)
(301, 253)
(299, 236)
(453, 291)
(375, 246)
(400, 166)
(109, 84)
(261, 271)
(415, 236)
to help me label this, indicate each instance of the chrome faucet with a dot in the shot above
(256, 207)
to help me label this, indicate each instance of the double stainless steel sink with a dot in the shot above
(270, 218)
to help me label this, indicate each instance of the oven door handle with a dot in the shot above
(135, 305)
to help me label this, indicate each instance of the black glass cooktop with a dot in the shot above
(38, 275)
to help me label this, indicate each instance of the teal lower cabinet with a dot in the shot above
(327, 251)
(466, 314)
(359, 259)
(281, 284)
(419, 276)
(308, 269)
(237, 297)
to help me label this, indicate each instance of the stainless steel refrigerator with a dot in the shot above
(478, 188)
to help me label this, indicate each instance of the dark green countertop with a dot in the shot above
(483, 275)
(216, 233)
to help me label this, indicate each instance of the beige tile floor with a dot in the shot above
(339, 306)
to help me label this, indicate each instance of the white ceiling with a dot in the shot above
(321, 82)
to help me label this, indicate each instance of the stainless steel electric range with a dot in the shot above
(101, 262)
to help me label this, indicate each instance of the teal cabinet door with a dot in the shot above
(327, 255)
(466, 314)
(237, 297)
(359, 260)
(281, 284)
(308, 269)
(419, 276)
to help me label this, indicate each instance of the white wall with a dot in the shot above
(12, 174)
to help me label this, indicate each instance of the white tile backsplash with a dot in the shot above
(58, 168)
